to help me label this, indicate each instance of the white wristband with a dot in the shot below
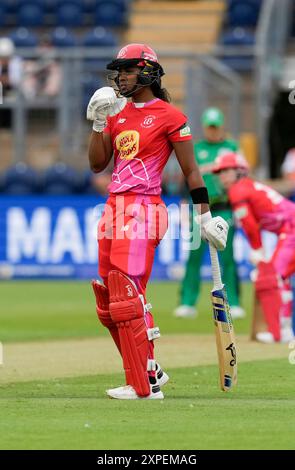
(206, 217)
(98, 126)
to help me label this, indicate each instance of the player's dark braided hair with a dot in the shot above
(160, 92)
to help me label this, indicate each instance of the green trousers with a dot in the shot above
(190, 287)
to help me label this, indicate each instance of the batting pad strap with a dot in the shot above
(146, 307)
(102, 304)
(101, 294)
(151, 365)
(153, 333)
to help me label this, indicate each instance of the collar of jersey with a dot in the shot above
(144, 105)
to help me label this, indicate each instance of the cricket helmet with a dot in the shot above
(230, 160)
(139, 55)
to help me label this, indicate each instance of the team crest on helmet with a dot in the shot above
(122, 53)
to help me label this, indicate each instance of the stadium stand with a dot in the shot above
(23, 37)
(111, 13)
(98, 37)
(240, 23)
(72, 13)
(20, 179)
(3, 13)
(238, 37)
(63, 37)
(90, 85)
(30, 14)
(69, 14)
(243, 12)
(10, 5)
(65, 24)
(197, 23)
(61, 179)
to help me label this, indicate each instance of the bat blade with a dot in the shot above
(258, 320)
(225, 339)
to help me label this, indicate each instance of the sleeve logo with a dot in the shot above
(185, 131)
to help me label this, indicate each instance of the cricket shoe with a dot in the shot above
(237, 312)
(185, 311)
(162, 379)
(287, 335)
(128, 393)
(265, 337)
(161, 375)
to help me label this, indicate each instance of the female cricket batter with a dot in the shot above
(141, 134)
(258, 207)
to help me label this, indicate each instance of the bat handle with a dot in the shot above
(217, 281)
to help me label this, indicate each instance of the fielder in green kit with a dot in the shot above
(206, 152)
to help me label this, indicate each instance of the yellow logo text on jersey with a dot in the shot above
(127, 144)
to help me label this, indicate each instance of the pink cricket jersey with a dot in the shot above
(142, 137)
(258, 207)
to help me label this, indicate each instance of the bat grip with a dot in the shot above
(217, 281)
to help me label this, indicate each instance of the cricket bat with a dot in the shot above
(258, 321)
(224, 331)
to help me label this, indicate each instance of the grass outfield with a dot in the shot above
(74, 413)
(57, 318)
(32, 311)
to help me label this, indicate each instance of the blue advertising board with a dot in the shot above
(55, 237)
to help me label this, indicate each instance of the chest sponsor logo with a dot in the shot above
(148, 121)
(127, 144)
(185, 131)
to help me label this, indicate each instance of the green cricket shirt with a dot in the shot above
(205, 155)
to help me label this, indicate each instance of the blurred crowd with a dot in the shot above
(31, 78)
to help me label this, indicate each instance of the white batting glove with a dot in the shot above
(256, 256)
(104, 103)
(214, 230)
